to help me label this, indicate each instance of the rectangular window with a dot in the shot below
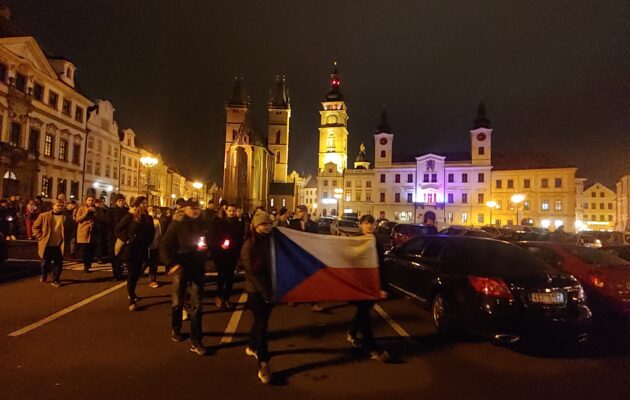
(450, 198)
(558, 205)
(397, 178)
(61, 186)
(601, 218)
(480, 198)
(97, 168)
(482, 151)
(465, 178)
(593, 206)
(108, 170)
(20, 82)
(480, 218)
(382, 178)
(526, 183)
(433, 178)
(601, 206)
(325, 180)
(601, 194)
(499, 183)
(510, 184)
(464, 198)
(526, 205)
(14, 136)
(368, 197)
(334, 183)
(66, 107)
(74, 189)
(348, 183)
(449, 217)
(382, 197)
(49, 143)
(135, 181)
(480, 177)
(451, 178)
(409, 197)
(53, 99)
(47, 184)
(425, 178)
(38, 92)
(558, 182)
(348, 196)
(593, 217)
(76, 153)
(33, 141)
(115, 172)
(88, 166)
(368, 184)
(409, 178)
(585, 206)
(610, 206)
(464, 217)
(63, 150)
(610, 218)
(397, 197)
(545, 205)
(357, 196)
(544, 183)
(78, 114)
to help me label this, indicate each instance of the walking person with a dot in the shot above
(84, 218)
(256, 260)
(282, 220)
(114, 215)
(70, 229)
(101, 228)
(30, 215)
(302, 222)
(360, 334)
(136, 230)
(154, 250)
(229, 233)
(48, 228)
(184, 250)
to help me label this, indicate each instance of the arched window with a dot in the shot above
(382, 153)
(278, 136)
(277, 157)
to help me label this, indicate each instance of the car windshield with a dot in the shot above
(477, 234)
(596, 257)
(347, 224)
(588, 239)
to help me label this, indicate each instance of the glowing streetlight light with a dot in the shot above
(148, 162)
(517, 199)
(197, 185)
(492, 205)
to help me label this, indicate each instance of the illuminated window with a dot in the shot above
(449, 217)
(49, 142)
(464, 217)
(330, 142)
(348, 196)
(271, 202)
(47, 184)
(545, 205)
(63, 150)
(480, 198)
(558, 205)
(284, 202)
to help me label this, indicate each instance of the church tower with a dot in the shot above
(236, 108)
(481, 139)
(333, 128)
(279, 113)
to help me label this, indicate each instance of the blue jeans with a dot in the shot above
(195, 276)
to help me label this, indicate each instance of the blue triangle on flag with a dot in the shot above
(293, 264)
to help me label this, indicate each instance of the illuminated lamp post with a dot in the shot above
(197, 186)
(517, 199)
(338, 195)
(491, 205)
(315, 209)
(173, 199)
(148, 162)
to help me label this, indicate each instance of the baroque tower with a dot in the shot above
(481, 139)
(333, 128)
(279, 113)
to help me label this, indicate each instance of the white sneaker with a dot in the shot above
(251, 352)
(264, 373)
(185, 315)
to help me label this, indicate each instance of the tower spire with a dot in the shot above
(481, 121)
(334, 94)
(280, 96)
(384, 125)
(238, 96)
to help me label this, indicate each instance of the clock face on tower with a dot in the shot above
(481, 136)
(383, 141)
(331, 119)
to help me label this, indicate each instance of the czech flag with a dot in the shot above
(311, 267)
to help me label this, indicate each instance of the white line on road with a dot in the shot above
(65, 311)
(234, 320)
(395, 325)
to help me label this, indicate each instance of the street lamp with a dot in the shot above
(517, 199)
(492, 205)
(148, 162)
(338, 194)
(197, 186)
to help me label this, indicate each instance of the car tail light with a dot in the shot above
(596, 280)
(492, 287)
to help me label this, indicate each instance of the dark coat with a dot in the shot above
(310, 226)
(256, 260)
(114, 216)
(137, 234)
(179, 244)
(231, 229)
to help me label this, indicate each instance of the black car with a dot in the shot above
(619, 251)
(489, 288)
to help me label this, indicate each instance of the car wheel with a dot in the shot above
(443, 315)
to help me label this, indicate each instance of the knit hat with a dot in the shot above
(139, 201)
(260, 217)
(120, 196)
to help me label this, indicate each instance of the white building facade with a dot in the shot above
(103, 153)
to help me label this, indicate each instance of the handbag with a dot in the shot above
(119, 246)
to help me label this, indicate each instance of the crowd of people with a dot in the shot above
(135, 237)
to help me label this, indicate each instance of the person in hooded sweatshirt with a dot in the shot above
(136, 230)
(184, 250)
(256, 260)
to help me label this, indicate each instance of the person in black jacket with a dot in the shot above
(301, 222)
(360, 332)
(184, 250)
(136, 230)
(256, 259)
(114, 215)
(229, 239)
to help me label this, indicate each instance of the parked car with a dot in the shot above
(323, 224)
(454, 230)
(588, 240)
(619, 251)
(384, 232)
(488, 287)
(403, 232)
(605, 277)
(618, 238)
(345, 227)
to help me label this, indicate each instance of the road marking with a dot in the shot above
(414, 296)
(234, 320)
(65, 311)
(395, 325)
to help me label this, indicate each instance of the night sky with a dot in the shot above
(553, 74)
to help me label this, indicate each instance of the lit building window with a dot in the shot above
(558, 205)
(464, 217)
(284, 202)
(63, 150)
(49, 143)
(271, 202)
(545, 205)
(449, 217)
(348, 196)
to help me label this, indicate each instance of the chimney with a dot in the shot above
(5, 12)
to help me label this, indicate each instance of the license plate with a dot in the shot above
(547, 298)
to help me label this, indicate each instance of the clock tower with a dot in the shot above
(333, 127)
(481, 139)
(383, 143)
